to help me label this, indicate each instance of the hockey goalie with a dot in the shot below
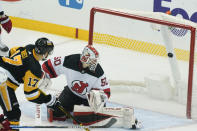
(87, 91)
(103, 116)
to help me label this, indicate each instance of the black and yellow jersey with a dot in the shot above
(20, 61)
(22, 66)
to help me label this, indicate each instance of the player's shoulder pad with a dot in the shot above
(72, 62)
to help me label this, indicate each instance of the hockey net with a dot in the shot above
(156, 49)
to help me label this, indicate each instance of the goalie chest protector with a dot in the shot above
(79, 80)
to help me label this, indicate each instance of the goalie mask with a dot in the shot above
(89, 57)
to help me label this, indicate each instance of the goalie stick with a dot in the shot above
(107, 125)
(72, 117)
(69, 115)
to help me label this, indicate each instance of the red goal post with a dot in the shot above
(156, 21)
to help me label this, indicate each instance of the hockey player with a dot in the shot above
(6, 24)
(87, 91)
(83, 74)
(22, 67)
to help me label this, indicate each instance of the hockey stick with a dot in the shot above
(69, 115)
(107, 125)
(72, 117)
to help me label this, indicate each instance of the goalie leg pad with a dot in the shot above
(53, 116)
(124, 116)
(50, 115)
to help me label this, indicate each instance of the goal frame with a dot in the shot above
(95, 10)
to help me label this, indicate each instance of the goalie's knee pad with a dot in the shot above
(129, 120)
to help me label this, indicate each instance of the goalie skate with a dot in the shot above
(137, 125)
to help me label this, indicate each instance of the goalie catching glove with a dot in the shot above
(96, 99)
(5, 21)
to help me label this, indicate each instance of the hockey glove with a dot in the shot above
(96, 100)
(53, 103)
(5, 21)
(45, 83)
(4, 124)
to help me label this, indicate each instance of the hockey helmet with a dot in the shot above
(44, 45)
(90, 57)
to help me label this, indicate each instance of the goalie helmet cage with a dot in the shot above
(129, 15)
